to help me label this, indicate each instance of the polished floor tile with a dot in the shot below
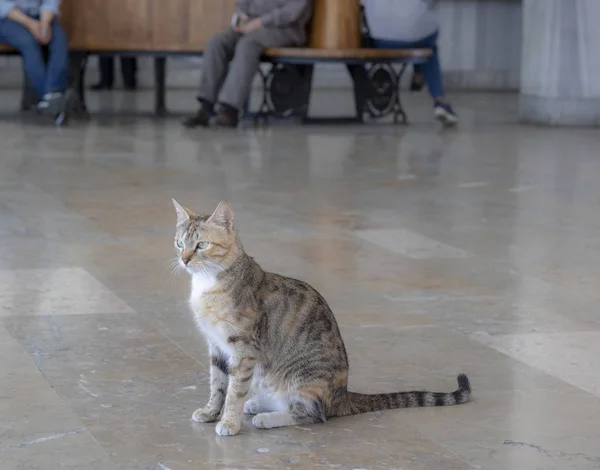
(475, 250)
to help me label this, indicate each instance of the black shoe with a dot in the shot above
(416, 85)
(101, 86)
(200, 119)
(130, 86)
(227, 116)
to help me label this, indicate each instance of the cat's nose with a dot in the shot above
(186, 260)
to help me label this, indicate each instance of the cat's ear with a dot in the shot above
(183, 213)
(223, 216)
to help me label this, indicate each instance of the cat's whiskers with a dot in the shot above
(174, 270)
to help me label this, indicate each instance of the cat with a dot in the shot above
(271, 332)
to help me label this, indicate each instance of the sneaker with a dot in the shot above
(51, 104)
(445, 114)
(200, 119)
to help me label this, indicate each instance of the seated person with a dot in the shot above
(262, 24)
(27, 25)
(106, 66)
(398, 24)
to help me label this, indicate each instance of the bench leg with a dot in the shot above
(29, 97)
(77, 66)
(160, 85)
(262, 115)
(307, 74)
(361, 87)
(399, 113)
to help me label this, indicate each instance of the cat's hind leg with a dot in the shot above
(260, 403)
(301, 411)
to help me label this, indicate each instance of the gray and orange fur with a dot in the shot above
(271, 332)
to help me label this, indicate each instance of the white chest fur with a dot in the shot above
(216, 332)
(201, 283)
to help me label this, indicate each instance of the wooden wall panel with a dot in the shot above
(146, 25)
(170, 24)
(186, 25)
(208, 17)
(336, 24)
(110, 24)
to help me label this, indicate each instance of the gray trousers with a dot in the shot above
(232, 59)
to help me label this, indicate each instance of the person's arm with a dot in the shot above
(285, 15)
(6, 6)
(48, 10)
(241, 6)
(8, 10)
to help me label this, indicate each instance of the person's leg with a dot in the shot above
(128, 71)
(20, 38)
(106, 66)
(218, 53)
(432, 74)
(57, 73)
(245, 63)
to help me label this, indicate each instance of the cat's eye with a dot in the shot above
(203, 245)
(179, 244)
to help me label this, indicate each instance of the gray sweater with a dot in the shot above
(401, 20)
(31, 7)
(292, 14)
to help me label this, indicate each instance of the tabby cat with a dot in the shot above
(272, 332)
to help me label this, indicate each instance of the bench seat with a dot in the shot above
(287, 85)
(346, 55)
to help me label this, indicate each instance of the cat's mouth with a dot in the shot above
(187, 267)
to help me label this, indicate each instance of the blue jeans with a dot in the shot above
(45, 78)
(431, 69)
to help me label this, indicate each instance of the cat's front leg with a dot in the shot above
(240, 379)
(219, 370)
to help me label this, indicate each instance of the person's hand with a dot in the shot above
(243, 19)
(35, 28)
(45, 32)
(249, 26)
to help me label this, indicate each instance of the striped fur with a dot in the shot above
(271, 333)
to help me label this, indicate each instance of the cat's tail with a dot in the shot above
(360, 403)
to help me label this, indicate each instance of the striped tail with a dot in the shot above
(360, 403)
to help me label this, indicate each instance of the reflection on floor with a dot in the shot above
(473, 251)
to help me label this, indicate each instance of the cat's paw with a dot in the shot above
(251, 407)
(227, 428)
(265, 421)
(204, 415)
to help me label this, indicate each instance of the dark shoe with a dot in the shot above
(200, 119)
(226, 117)
(417, 85)
(445, 114)
(130, 86)
(100, 86)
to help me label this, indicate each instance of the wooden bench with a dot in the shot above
(182, 28)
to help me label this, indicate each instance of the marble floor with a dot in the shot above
(476, 251)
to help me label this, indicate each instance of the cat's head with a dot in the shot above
(205, 244)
